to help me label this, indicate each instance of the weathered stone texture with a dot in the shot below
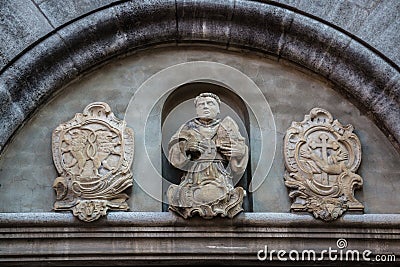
(381, 29)
(23, 77)
(21, 24)
(320, 49)
(95, 43)
(61, 12)
(375, 22)
(204, 20)
(267, 25)
(24, 84)
(140, 238)
(146, 23)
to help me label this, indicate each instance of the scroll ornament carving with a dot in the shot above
(321, 158)
(93, 153)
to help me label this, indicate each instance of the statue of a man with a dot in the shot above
(211, 152)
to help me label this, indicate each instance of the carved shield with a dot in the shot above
(93, 153)
(321, 158)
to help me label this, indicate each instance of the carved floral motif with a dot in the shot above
(321, 158)
(93, 153)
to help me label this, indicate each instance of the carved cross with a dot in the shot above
(324, 145)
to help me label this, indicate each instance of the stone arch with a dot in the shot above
(360, 73)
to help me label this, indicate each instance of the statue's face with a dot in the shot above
(207, 108)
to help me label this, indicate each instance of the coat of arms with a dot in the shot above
(321, 158)
(93, 153)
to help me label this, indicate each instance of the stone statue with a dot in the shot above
(211, 152)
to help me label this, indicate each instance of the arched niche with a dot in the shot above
(158, 96)
(178, 108)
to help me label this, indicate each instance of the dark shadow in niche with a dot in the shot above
(179, 108)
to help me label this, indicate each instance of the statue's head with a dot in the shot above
(207, 105)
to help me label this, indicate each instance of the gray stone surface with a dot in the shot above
(267, 25)
(348, 15)
(375, 22)
(10, 112)
(61, 12)
(290, 93)
(289, 221)
(204, 20)
(26, 83)
(146, 23)
(131, 239)
(29, 79)
(319, 50)
(21, 24)
(345, 62)
(117, 30)
(377, 75)
(86, 43)
(381, 29)
(361, 84)
(130, 26)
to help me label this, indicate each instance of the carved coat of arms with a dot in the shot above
(93, 153)
(321, 158)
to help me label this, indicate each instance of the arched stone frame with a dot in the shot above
(143, 114)
(369, 79)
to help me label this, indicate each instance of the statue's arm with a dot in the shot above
(177, 155)
(176, 152)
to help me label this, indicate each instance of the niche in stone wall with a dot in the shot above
(179, 107)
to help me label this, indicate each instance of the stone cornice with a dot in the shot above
(169, 219)
(163, 238)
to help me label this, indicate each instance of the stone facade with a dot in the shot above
(341, 56)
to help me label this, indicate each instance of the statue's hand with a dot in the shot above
(194, 149)
(233, 148)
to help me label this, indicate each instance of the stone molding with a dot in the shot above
(44, 239)
(367, 78)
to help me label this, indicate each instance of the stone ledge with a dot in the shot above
(160, 238)
(167, 219)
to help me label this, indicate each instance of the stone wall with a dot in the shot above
(57, 57)
(290, 93)
(25, 22)
(49, 58)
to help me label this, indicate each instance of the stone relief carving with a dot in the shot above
(93, 153)
(321, 158)
(210, 151)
